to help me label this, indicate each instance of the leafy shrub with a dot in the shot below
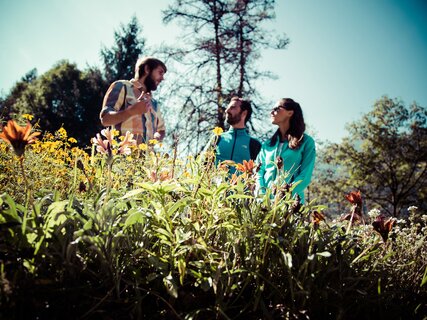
(148, 235)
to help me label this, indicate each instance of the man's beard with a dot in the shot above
(150, 84)
(233, 120)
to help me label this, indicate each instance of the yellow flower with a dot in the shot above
(115, 133)
(49, 136)
(28, 116)
(143, 147)
(153, 141)
(18, 136)
(129, 159)
(62, 133)
(72, 140)
(217, 131)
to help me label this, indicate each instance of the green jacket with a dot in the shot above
(298, 165)
(236, 145)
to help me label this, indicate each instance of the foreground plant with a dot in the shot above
(356, 215)
(156, 249)
(110, 147)
(19, 137)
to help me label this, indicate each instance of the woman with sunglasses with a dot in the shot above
(287, 159)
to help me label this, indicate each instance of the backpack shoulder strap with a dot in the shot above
(254, 148)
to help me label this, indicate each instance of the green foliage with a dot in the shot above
(119, 61)
(154, 236)
(63, 96)
(6, 103)
(385, 156)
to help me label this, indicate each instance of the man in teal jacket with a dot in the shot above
(236, 144)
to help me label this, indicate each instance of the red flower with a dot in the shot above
(354, 198)
(383, 226)
(356, 214)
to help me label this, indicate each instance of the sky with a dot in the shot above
(342, 57)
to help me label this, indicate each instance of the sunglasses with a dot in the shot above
(276, 109)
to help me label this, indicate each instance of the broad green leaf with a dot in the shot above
(181, 270)
(424, 280)
(135, 217)
(179, 204)
(9, 214)
(133, 193)
(88, 225)
(205, 192)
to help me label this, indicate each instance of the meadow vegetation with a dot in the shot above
(119, 231)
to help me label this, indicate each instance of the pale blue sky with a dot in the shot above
(343, 55)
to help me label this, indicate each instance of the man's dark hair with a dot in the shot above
(152, 64)
(245, 105)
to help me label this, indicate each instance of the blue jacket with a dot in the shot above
(236, 145)
(298, 165)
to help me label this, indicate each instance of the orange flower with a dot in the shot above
(18, 136)
(246, 167)
(234, 179)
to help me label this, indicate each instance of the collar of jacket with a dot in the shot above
(240, 131)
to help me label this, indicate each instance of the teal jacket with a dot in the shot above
(236, 145)
(298, 165)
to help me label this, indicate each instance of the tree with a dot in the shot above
(15, 94)
(64, 96)
(385, 156)
(215, 59)
(119, 61)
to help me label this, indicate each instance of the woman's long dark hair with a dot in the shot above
(296, 130)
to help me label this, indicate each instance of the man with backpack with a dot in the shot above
(236, 144)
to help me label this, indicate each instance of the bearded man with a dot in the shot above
(129, 106)
(236, 144)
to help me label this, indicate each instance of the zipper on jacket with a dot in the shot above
(234, 144)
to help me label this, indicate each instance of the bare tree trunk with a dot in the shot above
(220, 114)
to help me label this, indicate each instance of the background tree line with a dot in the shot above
(384, 154)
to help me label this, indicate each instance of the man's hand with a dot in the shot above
(142, 106)
(160, 135)
(139, 108)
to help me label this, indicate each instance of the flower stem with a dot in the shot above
(21, 165)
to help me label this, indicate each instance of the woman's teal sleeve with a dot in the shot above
(260, 175)
(307, 165)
